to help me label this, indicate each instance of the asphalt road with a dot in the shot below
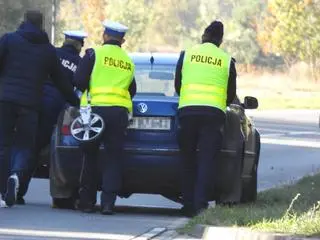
(290, 149)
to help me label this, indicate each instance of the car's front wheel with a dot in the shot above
(250, 187)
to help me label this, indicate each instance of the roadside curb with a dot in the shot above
(171, 232)
(230, 233)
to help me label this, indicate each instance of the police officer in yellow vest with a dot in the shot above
(107, 72)
(206, 83)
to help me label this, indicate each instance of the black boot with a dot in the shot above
(107, 210)
(87, 208)
(20, 200)
(107, 203)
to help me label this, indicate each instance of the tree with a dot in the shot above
(138, 16)
(169, 24)
(154, 24)
(176, 22)
(240, 19)
(241, 43)
(295, 31)
(85, 15)
(11, 13)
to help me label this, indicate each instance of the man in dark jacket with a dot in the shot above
(26, 59)
(206, 83)
(53, 101)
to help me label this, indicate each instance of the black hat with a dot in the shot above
(215, 30)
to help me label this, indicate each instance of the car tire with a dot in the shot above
(250, 187)
(63, 203)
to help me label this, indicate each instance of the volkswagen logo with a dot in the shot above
(142, 107)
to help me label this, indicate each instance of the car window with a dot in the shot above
(157, 80)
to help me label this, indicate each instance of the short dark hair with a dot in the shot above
(35, 17)
(214, 32)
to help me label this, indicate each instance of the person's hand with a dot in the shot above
(74, 112)
(79, 93)
(76, 101)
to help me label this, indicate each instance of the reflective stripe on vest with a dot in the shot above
(110, 79)
(205, 75)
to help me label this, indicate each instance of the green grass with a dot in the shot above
(280, 91)
(292, 209)
(284, 100)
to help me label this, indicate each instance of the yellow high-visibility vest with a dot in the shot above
(111, 77)
(205, 75)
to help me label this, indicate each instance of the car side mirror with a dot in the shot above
(250, 103)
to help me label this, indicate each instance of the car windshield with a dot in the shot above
(158, 80)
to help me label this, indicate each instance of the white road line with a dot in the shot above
(58, 234)
(279, 133)
(168, 235)
(287, 131)
(294, 143)
(272, 130)
(305, 133)
(284, 126)
(272, 135)
(151, 234)
(290, 134)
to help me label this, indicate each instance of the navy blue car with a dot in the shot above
(151, 149)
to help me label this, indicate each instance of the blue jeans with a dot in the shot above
(18, 128)
(48, 117)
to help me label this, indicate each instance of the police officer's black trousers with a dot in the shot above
(109, 164)
(18, 126)
(198, 168)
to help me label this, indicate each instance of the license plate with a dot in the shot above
(150, 123)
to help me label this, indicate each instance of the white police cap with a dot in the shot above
(74, 34)
(115, 28)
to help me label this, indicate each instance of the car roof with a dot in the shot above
(159, 58)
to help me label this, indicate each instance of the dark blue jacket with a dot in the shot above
(26, 60)
(52, 98)
(69, 58)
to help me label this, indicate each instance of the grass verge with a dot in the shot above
(291, 209)
(280, 91)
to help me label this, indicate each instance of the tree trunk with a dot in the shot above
(313, 65)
